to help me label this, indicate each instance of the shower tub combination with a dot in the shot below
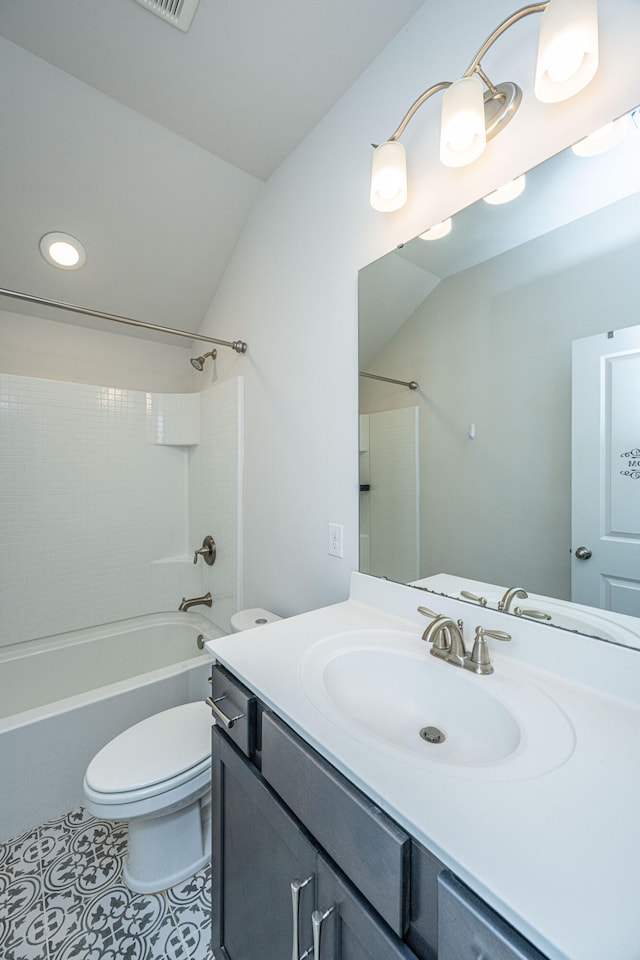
(62, 698)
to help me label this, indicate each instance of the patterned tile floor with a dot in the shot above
(62, 897)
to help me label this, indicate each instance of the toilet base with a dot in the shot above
(164, 850)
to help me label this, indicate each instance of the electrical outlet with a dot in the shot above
(336, 532)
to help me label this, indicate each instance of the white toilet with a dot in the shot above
(157, 775)
(253, 617)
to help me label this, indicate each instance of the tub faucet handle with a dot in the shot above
(207, 551)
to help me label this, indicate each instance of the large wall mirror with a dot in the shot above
(472, 477)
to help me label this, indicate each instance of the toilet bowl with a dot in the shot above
(157, 775)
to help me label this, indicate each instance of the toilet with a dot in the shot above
(157, 776)
(253, 617)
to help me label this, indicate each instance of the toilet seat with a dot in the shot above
(153, 757)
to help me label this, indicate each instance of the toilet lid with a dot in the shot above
(159, 748)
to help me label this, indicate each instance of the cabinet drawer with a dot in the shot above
(232, 700)
(369, 847)
(468, 929)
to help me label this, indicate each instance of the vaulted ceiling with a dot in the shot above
(150, 145)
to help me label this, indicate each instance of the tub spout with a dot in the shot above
(205, 601)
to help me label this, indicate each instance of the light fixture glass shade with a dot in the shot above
(567, 49)
(63, 251)
(389, 177)
(507, 192)
(438, 230)
(462, 131)
(606, 138)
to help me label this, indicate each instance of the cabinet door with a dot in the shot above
(259, 850)
(468, 929)
(345, 924)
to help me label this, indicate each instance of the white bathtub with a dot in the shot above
(64, 697)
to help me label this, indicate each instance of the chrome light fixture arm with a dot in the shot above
(474, 109)
(473, 68)
(413, 109)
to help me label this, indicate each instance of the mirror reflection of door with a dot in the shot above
(606, 471)
(390, 494)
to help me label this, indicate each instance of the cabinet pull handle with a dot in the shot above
(317, 919)
(226, 721)
(296, 887)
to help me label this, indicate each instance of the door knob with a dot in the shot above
(583, 553)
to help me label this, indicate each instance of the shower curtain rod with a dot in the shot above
(403, 383)
(238, 345)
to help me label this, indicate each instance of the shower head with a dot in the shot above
(199, 362)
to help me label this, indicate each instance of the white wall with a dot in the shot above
(291, 287)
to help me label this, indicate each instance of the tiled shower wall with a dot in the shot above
(100, 502)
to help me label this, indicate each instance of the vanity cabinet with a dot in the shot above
(469, 929)
(306, 865)
(272, 887)
(259, 851)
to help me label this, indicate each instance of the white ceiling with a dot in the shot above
(151, 144)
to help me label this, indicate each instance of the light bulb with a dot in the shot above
(507, 192)
(567, 49)
(603, 139)
(462, 132)
(64, 254)
(63, 251)
(438, 230)
(389, 177)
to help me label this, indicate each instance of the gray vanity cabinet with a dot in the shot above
(307, 866)
(259, 850)
(349, 929)
(468, 929)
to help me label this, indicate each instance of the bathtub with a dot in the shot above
(62, 698)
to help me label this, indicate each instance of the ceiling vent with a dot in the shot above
(179, 13)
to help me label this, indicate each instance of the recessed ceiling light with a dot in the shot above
(63, 251)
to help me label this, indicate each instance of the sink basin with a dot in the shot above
(384, 689)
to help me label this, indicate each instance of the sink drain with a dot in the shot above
(432, 735)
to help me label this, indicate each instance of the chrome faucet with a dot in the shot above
(510, 595)
(205, 601)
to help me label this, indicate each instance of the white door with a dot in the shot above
(605, 466)
(394, 496)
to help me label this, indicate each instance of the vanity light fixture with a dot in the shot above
(438, 230)
(606, 138)
(507, 192)
(472, 115)
(63, 251)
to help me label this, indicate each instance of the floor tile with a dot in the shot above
(62, 897)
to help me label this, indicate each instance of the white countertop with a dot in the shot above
(558, 855)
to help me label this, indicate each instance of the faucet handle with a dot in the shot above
(207, 551)
(428, 613)
(473, 596)
(536, 614)
(480, 661)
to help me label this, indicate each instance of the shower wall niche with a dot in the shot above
(104, 495)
